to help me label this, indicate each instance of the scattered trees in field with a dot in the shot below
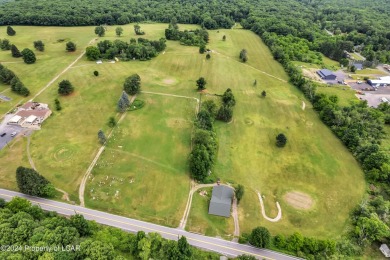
(243, 55)
(119, 31)
(32, 183)
(263, 93)
(96, 73)
(225, 112)
(196, 37)
(39, 45)
(201, 83)
(137, 30)
(5, 45)
(281, 140)
(10, 31)
(111, 122)
(70, 47)
(123, 102)
(15, 51)
(100, 31)
(260, 237)
(65, 88)
(8, 77)
(28, 56)
(57, 104)
(102, 137)
(132, 84)
(92, 53)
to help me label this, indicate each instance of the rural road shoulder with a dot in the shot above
(221, 246)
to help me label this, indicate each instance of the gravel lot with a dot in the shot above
(373, 99)
(8, 130)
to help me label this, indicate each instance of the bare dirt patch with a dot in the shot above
(299, 200)
(169, 81)
(311, 74)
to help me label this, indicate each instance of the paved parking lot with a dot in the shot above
(373, 99)
(8, 130)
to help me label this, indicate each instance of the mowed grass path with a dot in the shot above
(143, 172)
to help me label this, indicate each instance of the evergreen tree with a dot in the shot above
(263, 94)
(111, 122)
(57, 104)
(228, 98)
(28, 56)
(96, 73)
(32, 183)
(239, 193)
(5, 45)
(102, 137)
(39, 45)
(10, 31)
(281, 140)
(224, 38)
(15, 51)
(243, 55)
(202, 49)
(70, 47)
(123, 102)
(184, 248)
(201, 83)
(65, 87)
(225, 113)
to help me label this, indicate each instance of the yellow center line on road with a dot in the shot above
(151, 229)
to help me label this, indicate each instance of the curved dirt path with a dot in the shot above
(275, 219)
(194, 188)
(65, 195)
(303, 105)
(94, 161)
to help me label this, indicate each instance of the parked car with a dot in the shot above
(13, 134)
(3, 134)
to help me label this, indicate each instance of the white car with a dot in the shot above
(13, 134)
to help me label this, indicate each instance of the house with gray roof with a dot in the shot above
(221, 201)
(358, 66)
(326, 74)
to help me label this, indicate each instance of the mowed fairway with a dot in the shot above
(148, 174)
(143, 171)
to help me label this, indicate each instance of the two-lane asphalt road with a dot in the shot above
(221, 246)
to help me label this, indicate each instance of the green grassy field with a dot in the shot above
(313, 162)
(147, 156)
(345, 93)
(199, 221)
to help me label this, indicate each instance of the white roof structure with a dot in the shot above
(385, 250)
(15, 119)
(30, 119)
(381, 81)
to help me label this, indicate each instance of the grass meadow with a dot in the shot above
(150, 170)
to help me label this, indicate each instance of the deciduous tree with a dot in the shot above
(118, 31)
(10, 31)
(28, 56)
(243, 55)
(102, 137)
(92, 53)
(70, 46)
(99, 30)
(132, 84)
(32, 183)
(281, 140)
(201, 83)
(260, 237)
(39, 45)
(15, 51)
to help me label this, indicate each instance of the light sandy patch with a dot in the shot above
(299, 200)
(169, 81)
(311, 74)
(178, 123)
(303, 105)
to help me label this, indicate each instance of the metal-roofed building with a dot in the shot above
(326, 74)
(221, 201)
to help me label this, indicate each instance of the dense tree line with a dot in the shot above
(143, 49)
(8, 77)
(24, 226)
(302, 21)
(32, 183)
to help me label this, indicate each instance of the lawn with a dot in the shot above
(345, 94)
(143, 171)
(199, 221)
(150, 167)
